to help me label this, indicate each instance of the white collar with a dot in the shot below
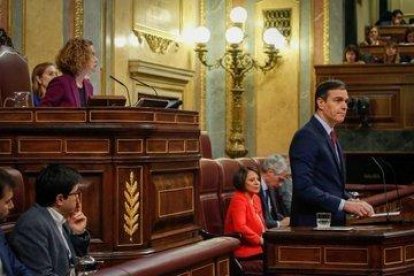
(325, 125)
(57, 217)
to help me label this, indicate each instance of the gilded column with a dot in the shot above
(78, 18)
(202, 70)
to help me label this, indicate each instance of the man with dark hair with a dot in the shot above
(318, 169)
(50, 235)
(9, 264)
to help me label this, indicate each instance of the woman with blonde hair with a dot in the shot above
(42, 74)
(76, 60)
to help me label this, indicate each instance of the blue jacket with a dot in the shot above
(11, 265)
(318, 177)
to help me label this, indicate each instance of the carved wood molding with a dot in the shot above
(131, 206)
(157, 44)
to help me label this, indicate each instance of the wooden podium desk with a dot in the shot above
(140, 168)
(365, 250)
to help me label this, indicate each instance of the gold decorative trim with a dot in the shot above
(399, 248)
(280, 19)
(156, 43)
(131, 206)
(326, 31)
(78, 19)
(203, 75)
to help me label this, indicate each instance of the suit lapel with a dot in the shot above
(327, 141)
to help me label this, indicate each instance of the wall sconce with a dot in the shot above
(237, 63)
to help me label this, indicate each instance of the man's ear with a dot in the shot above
(320, 103)
(59, 200)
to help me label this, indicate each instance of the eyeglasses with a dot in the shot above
(76, 193)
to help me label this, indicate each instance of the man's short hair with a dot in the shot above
(396, 12)
(275, 162)
(55, 179)
(5, 180)
(323, 88)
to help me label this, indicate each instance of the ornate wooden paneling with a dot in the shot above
(388, 88)
(366, 250)
(140, 170)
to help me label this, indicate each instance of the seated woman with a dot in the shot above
(76, 60)
(409, 36)
(372, 37)
(42, 74)
(244, 215)
(392, 54)
(351, 55)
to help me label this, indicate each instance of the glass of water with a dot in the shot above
(323, 220)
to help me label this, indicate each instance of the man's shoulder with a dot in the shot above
(33, 216)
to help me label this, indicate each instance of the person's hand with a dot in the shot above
(285, 221)
(359, 208)
(77, 220)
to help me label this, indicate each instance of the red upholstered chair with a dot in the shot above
(14, 74)
(249, 162)
(205, 145)
(229, 167)
(211, 218)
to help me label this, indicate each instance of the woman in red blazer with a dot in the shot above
(77, 61)
(244, 214)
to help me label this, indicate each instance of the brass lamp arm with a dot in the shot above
(272, 58)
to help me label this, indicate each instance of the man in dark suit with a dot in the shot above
(275, 202)
(10, 265)
(318, 169)
(51, 234)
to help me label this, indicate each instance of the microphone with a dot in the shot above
(394, 178)
(384, 185)
(145, 84)
(126, 88)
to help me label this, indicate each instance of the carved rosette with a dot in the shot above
(131, 206)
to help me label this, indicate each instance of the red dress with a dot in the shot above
(245, 218)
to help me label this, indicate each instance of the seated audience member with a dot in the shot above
(51, 234)
(244, 215)
(276, 191)
(392, 54)
(42, 74)
(372, 37)
(393, 18)
(76, 60)
(397, 18)
(10, 265)
(351, 55)
(409, 35)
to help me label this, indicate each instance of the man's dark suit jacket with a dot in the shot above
(318, 176)
(62, 91)
(38, 243)
(11, 265)
(277, 212)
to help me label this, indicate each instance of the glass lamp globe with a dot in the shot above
(272, 36)
(238, 15)
(202, 35)
(234, 35)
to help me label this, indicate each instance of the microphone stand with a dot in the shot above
(384, 185)
(394, 178)
(126, 88)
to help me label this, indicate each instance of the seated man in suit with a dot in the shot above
(276, 191)
(50, 235)
(10, 265)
